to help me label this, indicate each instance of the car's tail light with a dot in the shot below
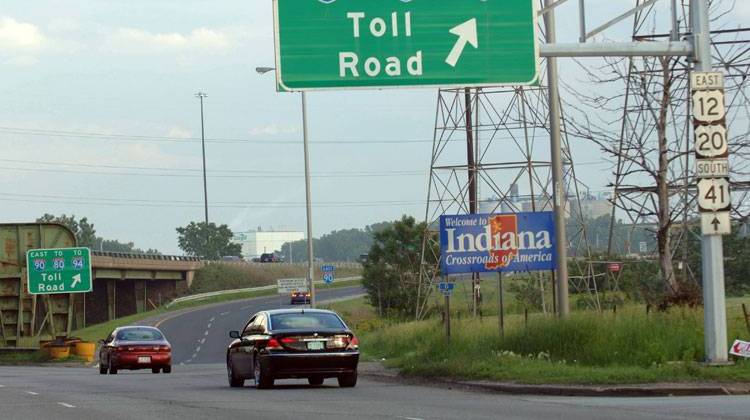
(289, 340)
(121, 348)
(165, 349)
(338, 342)
(273, 344)
(353, 343)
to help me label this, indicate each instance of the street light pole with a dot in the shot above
(308, 194)
(308, 205)
(201, 95)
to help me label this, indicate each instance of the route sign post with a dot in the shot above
(52, 271)
(330, 44)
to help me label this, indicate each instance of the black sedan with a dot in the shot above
(293, 343)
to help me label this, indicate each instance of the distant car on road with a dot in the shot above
(270, 258)
(293, 343)
(300, 298)
(135, 348)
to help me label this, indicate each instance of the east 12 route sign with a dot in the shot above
(338, 44)
(52, 271)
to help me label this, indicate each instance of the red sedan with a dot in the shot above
(135, 348)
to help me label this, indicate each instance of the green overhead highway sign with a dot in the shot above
(337, 44)
(52, 271)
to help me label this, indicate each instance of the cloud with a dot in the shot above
(274, 130)
(18, 36)
(138, 41)
(180, 133)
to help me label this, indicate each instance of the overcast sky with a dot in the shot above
(98, 118)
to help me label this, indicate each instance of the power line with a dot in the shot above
(178, 175)
(133, 202)
(234, 171)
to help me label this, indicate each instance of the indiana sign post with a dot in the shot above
(52, 271)
(329, 44)
(517, 242)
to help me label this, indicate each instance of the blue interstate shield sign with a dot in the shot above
(476, 243)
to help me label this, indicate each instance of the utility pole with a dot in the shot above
(712, 251)
(558, 183)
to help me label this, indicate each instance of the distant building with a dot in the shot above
(592, 208)
(257, 242)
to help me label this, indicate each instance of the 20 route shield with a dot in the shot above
(328, 44)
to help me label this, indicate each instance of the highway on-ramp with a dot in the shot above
(202, 335)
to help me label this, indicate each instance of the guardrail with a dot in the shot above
(201, 296)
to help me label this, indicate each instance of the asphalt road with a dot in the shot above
(198, 389)
(202, 336)
(200, 392)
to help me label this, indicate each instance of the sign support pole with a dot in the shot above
(557, 169)
(447, 316)
(500, 307)
(714, 316)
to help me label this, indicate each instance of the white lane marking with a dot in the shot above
(2, 386)
(410, 418)
(202, 340)
(197, 349)
(31, 393)
(209, 326)
(224, 313)
(67, 405)
(182, 363)
(212, 319)
(206, 333)
(246, 307)
(194, 356)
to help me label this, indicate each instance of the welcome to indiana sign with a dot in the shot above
(517, 242)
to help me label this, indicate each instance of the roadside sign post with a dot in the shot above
(328, 273)
(394, 43)
(64, 270)
(500, 306)
(447, 290)
(709, 113)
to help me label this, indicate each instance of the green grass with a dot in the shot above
(100, 331)
(31, 358)
(586, 348)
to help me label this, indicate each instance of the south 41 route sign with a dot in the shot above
(339, 44)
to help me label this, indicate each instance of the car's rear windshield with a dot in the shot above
(305, 321)
(139, 334)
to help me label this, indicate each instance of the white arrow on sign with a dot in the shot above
(76, 280)
(467, 34)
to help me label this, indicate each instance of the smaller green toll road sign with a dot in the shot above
(65, 270)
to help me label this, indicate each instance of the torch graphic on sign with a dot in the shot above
(503, 255)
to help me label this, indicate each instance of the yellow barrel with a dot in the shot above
(59, 352)
(86, 350)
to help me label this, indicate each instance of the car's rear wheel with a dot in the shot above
(348, 381)
(102, 368)
(315, 381)
(112, 369)
(262, 380)
(234, 381)
(154, 370)
(167, 369)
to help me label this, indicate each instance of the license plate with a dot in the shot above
(315, 345)
(144, 359)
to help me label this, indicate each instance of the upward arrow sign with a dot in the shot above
(716, 222)
(467, 34)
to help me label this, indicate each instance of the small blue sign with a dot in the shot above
(446, 288)
(328, 268)
(328, 278)
(517, 242)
